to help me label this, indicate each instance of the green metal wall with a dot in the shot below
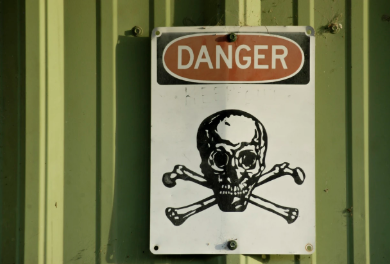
(75, 140)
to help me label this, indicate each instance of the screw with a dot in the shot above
(137, 31)
(350, 210)
(232, 37)
(232, 245)
(334, 28)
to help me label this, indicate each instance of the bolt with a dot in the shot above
(137, 31)
(334, 28)
(232, 245)
(232, 37)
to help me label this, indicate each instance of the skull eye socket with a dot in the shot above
(218, 160)
(247, 159)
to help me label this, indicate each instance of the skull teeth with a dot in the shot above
(233, 192)
(227, 189)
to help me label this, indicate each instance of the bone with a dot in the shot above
(280, 170)
(179, 215)
(289, 214)
(182, 173)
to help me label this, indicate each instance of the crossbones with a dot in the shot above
(232, 145)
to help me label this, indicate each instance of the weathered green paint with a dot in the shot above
(87, 123)
(331, 148)
(80, 173)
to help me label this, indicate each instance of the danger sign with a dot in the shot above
(232, 156)
(252, 58)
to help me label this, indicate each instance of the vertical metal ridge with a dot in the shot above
(311, 13)
(54, 130)
(1, 123)
(162, 13)
(21, 132)
(243, 13)
(295, 12)
(305, 12)
(348, 127)
(35, 158)
(360, 130)
(42, 16)
(98, 135)
(107, 64)
(366, 127)
(45, 232)
(151, 16)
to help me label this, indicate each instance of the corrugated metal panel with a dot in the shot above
(88, 119)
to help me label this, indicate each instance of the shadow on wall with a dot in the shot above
(129, 230)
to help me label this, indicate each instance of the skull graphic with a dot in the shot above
(232, 145)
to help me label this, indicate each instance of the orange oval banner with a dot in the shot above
(252, 58)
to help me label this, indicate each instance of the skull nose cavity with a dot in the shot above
(234, 180)
(233, 174)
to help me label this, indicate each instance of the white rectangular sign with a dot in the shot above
(232, 140)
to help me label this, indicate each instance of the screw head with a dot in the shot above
(137, 31)
(334, 28)
(232, 37)
(232, 245)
